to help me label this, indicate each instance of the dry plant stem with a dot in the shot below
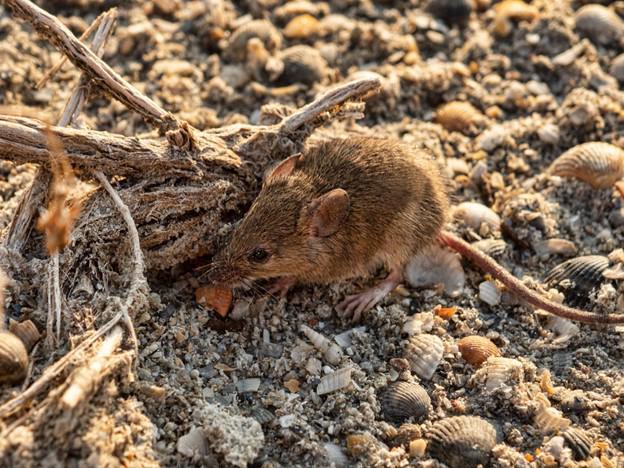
(51, 28)
(86, 378)
(31, 363)
(57, 293)
(3, 284)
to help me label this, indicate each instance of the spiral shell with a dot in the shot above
(596, 163)
(578, 441)
(617, 68)
(491, 247)
(499, 372)
(477, 349)
(436, 265)
(453, 11)
(236, 49)
(404, 400)
(424, 353)
(302, 64)
(578, 277)
(335, 381)
(599, 23)
(475, 214)
(462, 441)
(459, 116)
(13, 358)
(27, 332)
(331, 351)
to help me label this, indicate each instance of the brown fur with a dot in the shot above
(397, 206)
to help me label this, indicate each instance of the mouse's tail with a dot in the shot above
(518, 288)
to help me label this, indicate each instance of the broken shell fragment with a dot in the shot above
(578, 441)
(214, 297)
(331, 351)
(475, 214)
(596, 163)
(248, 385)
(491, 247)
(27, 332)
(404, 400)
(458, 116)
(578, 277)
(424, 353)
(193, 443)
(477, 349)
(499, 372)
(13, 358)
(335, 381)
(462, 441)
(489, 293)
(436, 265)
(555, 247)
(548, 419)
(599, 23)
(236, 49)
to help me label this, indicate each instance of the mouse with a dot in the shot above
(345, 207)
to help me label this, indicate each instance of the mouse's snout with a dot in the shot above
(222, 271)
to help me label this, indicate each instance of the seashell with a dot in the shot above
(462, 441)
(477, 349)
(13, 358)
(596, 163)
(193, 443)
(417, 448)
(302, 64)
(564, 328)
(236, 49)
(578, 277)
(435, 265)
(489, 293)
(404, 400)
(509, 10)
(548, 419)
(491, 247)
(335, 455)
(331, 351)
(360, 444)
(617, 68)
(424, 352)
(248, 385)
(344, 338)
(418, 323)
(578, 441)
(299, 7)
(475, 214)
(599, 23)
(549, 134)
(499, 371)
(214, 297)
(302, 27)
(555, 246)
(262, 415)
(459, 116)
(493, 137)
(335, 381)
(27, 332)
(452, 11)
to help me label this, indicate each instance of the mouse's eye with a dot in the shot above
(259, 255)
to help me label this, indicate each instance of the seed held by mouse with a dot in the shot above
(342, 209)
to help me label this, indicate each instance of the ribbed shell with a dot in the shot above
(27, 332)
(548, 419)
(500, 372)
(474, 214)
(596, 163)
(458, 116)
(599, 23)
(477, 349)
(13, 358)
(578, 277)
(491, 247)
(462, 441)
(404, 400)
(424, 353)
(453, 11)
(331, 351)
(578, 441)
(489, 293)
(236, 49)
(302, 64)
(262, 415)
(335, 381)
(435, 265)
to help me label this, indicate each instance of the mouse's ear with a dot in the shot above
(283, 169)
(327, 212)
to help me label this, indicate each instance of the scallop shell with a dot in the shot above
(335, 381)
(424, 352)
(404, 400)
(302, 27)
(491, 247)
(617, 68)
(499, 372)
(596, 163)
(548, 419)
(453, 11)
(27, 332)
(489, 293)
(599, 23)
(214, 297)
(13, 358)
(458, 116)
(331, 351)
(578, 277)
(578, 441)
(477, 349)
(475, 214)
(236, 49)
(436, 265)
(462, 441)
(302, 64)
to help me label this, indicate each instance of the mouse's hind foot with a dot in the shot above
(354, 305)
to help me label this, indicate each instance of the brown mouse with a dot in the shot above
(342, 209)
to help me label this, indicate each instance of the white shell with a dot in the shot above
(435, 265)
(549, 134)
(564, 328)
(489, 293)
(475, 214)
(335, 455)
(331, 351)
(335, 381)
(555, 246)
(248, 385)
(548, 419)
(418, 323)
(499, 371)
(344, 338)
(193, 443)
(424, 353)
(493, 137)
